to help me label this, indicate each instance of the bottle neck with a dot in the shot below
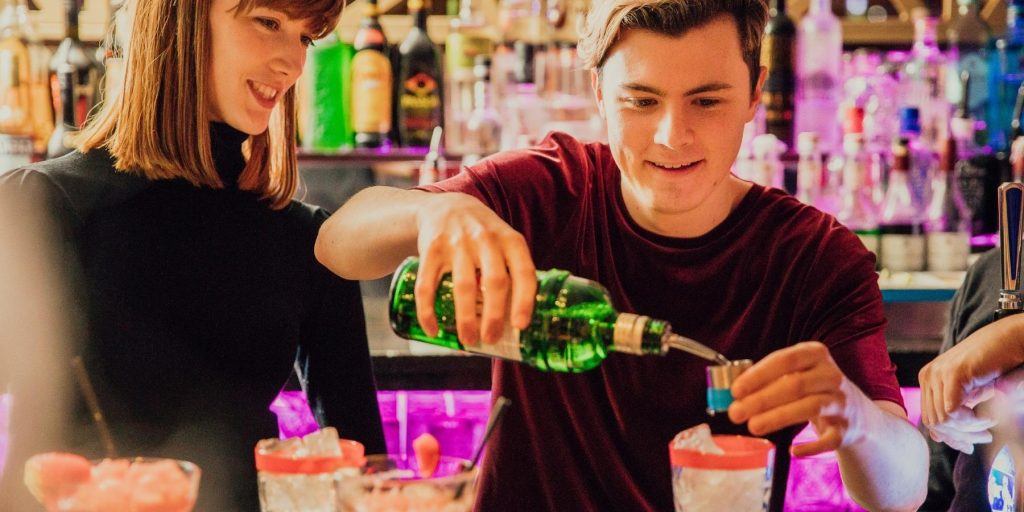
(66, 80)
(969, 8)
(925, 34)
(72, 19)
(420, 19)
(482, 94)
(1015, 20)
(820, 7)
(778, 7)
(640, 335)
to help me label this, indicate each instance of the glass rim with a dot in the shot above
(453, 479)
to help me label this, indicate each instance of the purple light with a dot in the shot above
(457, 419)
(989, 240)
(294, 417)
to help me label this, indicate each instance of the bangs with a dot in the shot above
(322, 15)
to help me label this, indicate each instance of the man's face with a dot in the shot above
(675, 109)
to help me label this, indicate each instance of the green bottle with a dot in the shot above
(327, 127)
(573, 327)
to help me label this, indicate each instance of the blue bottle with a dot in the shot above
(1005, 74)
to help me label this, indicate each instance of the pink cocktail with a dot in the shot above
(68, 482)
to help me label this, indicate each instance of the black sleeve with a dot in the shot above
(340, 371)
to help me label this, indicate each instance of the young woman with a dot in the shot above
(196, 265)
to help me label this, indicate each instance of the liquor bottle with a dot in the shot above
(75, 79)
(969, 39)
(19, 32)
(419, 82)
(902, 232)
(777, 54)
(947, 217)
(483, 128)
(15, 120)
(371, 82)
(325, 126)
(1004, 76)
(922, 158)
(924, 80)
(766, 169)
(808, 168)
(468, 37)
(15, 105)
(819, 75)
(858, 212)
(573, 328)
(111, 52)
(525, 111)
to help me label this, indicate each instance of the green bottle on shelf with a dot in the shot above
(574, 325)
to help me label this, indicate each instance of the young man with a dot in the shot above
(656, 217)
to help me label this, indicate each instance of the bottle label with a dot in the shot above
(903, 253)
(948, 251)
(1002, 494)
(461, 51)
(507, 346)
(371, 92)
(420, 104)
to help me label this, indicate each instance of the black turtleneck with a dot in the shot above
(197, 301)
(226, 146)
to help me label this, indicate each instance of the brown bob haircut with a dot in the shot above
(158, 127)
(607, 20)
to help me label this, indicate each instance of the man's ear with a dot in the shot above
(755, 95)
(595, 84)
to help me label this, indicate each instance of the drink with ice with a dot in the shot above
(303, 473)
(394, 484)
(715, 473)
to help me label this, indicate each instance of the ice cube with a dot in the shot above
(697, 439)
(713, 490)
(322, 443)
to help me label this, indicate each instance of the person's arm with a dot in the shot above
(955, 381)
(340, 372)
(451, 232)
(372, 232)
(803, 383)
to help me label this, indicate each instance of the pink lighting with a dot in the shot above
(457, 419)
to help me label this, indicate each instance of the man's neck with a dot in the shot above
(725, 198)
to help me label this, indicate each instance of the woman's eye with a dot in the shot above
(708, 102)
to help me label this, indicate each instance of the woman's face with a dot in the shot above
(255, 57)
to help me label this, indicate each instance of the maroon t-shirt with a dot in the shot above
(774, 273)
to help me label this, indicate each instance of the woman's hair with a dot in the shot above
(608, 20)
(158, 126)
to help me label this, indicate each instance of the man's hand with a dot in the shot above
(458, 233)
(794, 385)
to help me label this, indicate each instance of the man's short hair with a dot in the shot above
(609, 19)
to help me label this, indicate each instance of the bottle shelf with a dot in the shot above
(919, 286)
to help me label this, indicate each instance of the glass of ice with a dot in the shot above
(68, 482)
(393, 484)
(715, 473)
(303, 473)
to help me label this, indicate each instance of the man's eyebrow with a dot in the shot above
(635, 86)
(708, 87)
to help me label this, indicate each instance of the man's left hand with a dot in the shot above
(794, 385)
